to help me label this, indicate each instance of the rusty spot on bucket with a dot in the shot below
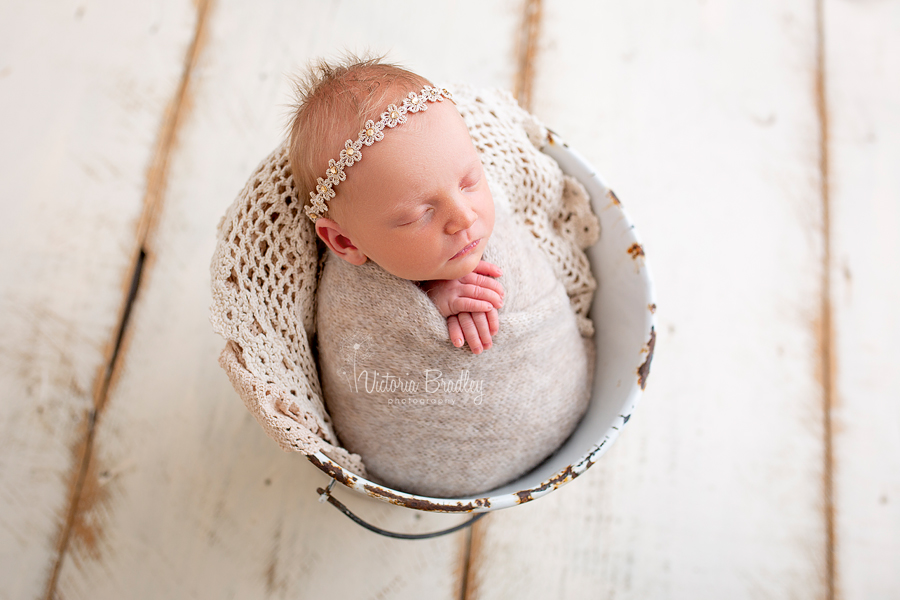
(553, 139)
(334, 471)
(636, 250)
(644, 370)
(552, 483)
(350, 480)
(612, 196)
(419, 503)
(652, 307)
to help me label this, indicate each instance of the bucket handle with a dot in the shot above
(325, 495)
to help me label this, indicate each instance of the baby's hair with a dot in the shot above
(333, 102)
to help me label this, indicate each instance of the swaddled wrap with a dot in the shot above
(436, 420)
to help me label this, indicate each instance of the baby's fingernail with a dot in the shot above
(457, 343)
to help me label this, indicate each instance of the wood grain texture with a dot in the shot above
(199, 502)
(84, 89)
(702, 118)
(863, 59)
(705, 119)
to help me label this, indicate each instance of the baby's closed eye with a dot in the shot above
(470, 181)
(420, 215)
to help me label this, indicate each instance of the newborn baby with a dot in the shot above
(419, 262)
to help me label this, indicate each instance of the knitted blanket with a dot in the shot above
(432, 419)
(266, 266)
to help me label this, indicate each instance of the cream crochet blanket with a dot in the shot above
(266, 266)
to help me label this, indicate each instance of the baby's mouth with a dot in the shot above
(465, 250)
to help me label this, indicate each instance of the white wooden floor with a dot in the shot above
(755, 144)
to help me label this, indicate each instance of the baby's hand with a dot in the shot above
(470, 305)
(477, 328)
(477, 292)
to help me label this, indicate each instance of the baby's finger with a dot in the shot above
(484, 330)
(493, 321)
(461, 305)
(455, 331)
(470, 331)
(478, 292)
(489, 269)
(488, 283)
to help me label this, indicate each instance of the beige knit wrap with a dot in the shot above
(436, 420)
(266, 266)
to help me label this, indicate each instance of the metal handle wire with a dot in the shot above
(325, 495)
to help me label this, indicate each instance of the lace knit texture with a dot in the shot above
(267, 262)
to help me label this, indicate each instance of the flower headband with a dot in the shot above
(372, 132)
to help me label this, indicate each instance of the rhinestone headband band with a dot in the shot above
(372, 132)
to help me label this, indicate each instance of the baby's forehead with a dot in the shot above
(414, 160)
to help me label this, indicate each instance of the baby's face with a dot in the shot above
(418, 203)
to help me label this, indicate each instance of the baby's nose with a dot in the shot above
(461, 216)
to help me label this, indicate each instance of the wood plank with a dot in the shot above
(84, 91)
(702, 118)
(199, 502)
(862, 83)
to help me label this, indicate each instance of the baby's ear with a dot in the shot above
(331, 233)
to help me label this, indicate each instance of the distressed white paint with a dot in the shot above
(702, 119)
(84, 89)
(200, 502)
(863, 91)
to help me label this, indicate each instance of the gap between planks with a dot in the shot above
(529, 35)
(157, 175)
(827, 357)
(527, 52)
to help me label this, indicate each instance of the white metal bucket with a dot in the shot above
(623, 315)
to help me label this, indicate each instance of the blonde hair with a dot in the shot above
(333, 102)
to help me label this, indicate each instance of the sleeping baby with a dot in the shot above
(450, 357)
